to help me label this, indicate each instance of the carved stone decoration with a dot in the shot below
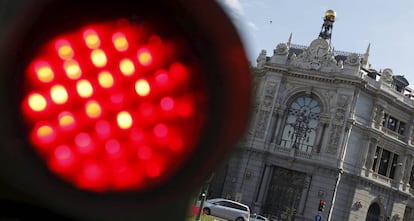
(331, 97)
(357, 205)
(281, 49)
(338, 122)
(396, 217)
(343, 101)
(353, 59)
(283, 92)
(386, 76)
(339, 116)
(317, 56)
(334, 139)
(293, 57)
(341, 64)
(261, 124)
(268, 96)
(270, 89)
(280, 54)
(265, 109)
(267, 102)
(342, 104)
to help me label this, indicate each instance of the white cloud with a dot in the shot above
(252, 25)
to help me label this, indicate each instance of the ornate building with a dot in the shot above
(325, 126)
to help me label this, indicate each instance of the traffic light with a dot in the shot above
(321, 207)
(118, 110)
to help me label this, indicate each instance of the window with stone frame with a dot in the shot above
(393, 124)
(411, 181)
(385, 162)
(302, 120)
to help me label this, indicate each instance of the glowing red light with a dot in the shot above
(167, 103)
(144, 152)
(107, 112)
(160, 130)
(63, 156)
(144, 57)
(103, 128)
(83, 143)
(153, 169)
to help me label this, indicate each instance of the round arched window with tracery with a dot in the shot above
(300, 128)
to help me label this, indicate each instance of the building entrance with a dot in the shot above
(284, 194)
(373, 212)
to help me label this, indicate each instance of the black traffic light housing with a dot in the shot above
(24, 177)
(321, 206)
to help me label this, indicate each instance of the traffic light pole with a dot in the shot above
(200, 209)
(204, 191)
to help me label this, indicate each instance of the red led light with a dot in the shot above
(114, 106)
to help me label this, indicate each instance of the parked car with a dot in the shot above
(255, 217)
(227, 209)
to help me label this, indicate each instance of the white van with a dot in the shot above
(227, 209)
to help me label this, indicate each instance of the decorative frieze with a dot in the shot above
(261, 124)
(266, 107)
(338, 123)
(318, 56)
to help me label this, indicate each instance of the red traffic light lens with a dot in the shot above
(114, 105)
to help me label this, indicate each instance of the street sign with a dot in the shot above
(318, 217)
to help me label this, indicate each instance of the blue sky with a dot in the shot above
(387, 25)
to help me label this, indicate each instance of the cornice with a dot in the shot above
(336, 78)
(331, 78)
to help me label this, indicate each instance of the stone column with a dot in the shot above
(279, 129)
(370, 155)
(269, 134)
(402, 160)
(263, 188)
(323, 123)
(407, 171)
(410, 140)
(366, 151)
(264, 185)
(373, 116)
(325, 136)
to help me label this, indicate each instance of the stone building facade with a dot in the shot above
(325, 126)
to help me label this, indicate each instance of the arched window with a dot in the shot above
(374, 212)
(300, 128)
